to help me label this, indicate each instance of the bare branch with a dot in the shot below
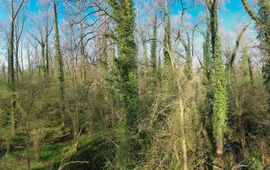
(237, 44)
(249, 11)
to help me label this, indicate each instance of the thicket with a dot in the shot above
(116, 112)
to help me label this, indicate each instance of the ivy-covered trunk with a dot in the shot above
(167, 36)
(126, 66)
(219, 82)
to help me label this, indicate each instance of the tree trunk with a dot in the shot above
(153, 58)
(58, 56)
(183, 134)
(83, 55)
(47, 68)
(11, 76)
(3, 70)
(126, 65)
(22, 67)
(42, 62)
(219, 82)
(250, 70)
(17, 65)
(167, 36)
(188, 64)
(145, 58)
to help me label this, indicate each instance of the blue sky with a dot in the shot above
(230, 15)
(233, 14)
(32, 7)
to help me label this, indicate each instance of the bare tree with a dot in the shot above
(11, 76)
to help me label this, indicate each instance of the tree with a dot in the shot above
(11, 72)
(207, 63)
(58, 57)
(167, 35)
(18, 34)
(219, 81)
(43, 28)
(246, 67)
(233, 53)
(262, 20)
(188, 63)
(128, 81)
(153, 55)
(42, 40)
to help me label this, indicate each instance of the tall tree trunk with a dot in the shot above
(22, 66)
(188, 64)
(47, 57)
(167, 36)
(153, 57)
(82, 53)
(219, 82)
(207, 63)
(206, 81)
(47, 60)
(43, 62)
(165, 71)
(29, 62)
(3, 67)
(183, 133)
(17, 65)
(58, 57)
(247, 67)
(250, 70)
(126, 65)
(11, 75)
(105, 38)
(145, 57)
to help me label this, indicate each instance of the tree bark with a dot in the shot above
(58, 56)
(184, 141)
(47, 60)
(11, 76)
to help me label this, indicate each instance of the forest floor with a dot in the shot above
(91, 152)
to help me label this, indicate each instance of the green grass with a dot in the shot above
(94, 149)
